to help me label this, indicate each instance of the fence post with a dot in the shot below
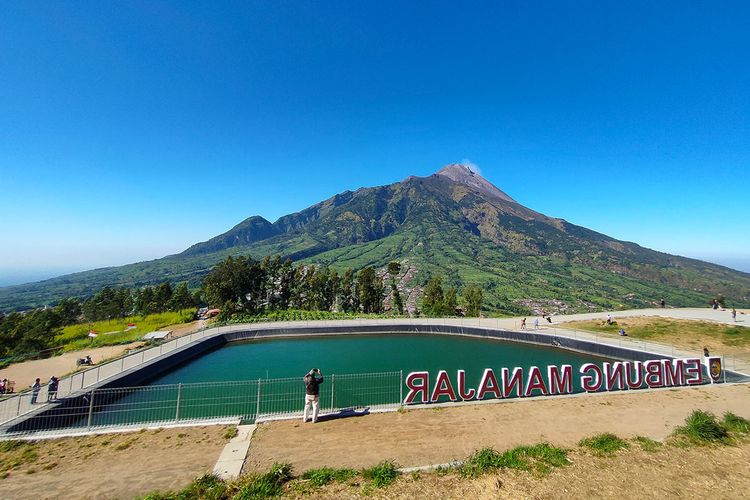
(122, 364)
(400, 387)
(333, 385)
(18, 410)
(257, 402)
(179, 396)
(91, 409)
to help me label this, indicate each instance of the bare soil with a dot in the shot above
(443, 434)
(110, 465)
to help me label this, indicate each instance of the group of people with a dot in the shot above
(51, 389)
(7, 386)
(536, 322)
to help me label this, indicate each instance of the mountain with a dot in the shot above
(453, 222)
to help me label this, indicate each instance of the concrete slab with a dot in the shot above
(232, 457)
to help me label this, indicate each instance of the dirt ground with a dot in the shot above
(25, 373)
(443, 434)
(110, 465)
(700, 472)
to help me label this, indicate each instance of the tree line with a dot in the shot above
(34, 331)
(236, 285)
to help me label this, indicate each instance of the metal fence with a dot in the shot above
(100, 409)
(17, 405)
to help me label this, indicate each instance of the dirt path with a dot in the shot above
(111, 465)
(25, 373)
(440, 435)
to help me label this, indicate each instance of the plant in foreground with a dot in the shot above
(735, 423)
(325, 475)
(381, 475)
(540, 458)
(604, 444)
(702, 427)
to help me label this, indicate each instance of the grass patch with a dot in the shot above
(112, 332)
(604, 444)
(230, 433)
(265, 485)
(702, 427)
(689, 331)
(381, 475)
(540, 458)
(325, 475)
(647, 444)
(736, 424)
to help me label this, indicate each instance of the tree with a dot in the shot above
(450, 303)
(472, 301)
(394, 268)
(68, 309)
(432, 300)
(347, 294)
(181, 298)
(370, 290)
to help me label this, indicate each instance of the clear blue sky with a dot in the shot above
(130, 130)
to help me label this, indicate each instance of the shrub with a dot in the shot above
(230, 433)
(206, 487)
(702, 427)
(736, 423)
(381, 475)
(604, 444)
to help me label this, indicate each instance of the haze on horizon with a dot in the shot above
(132, 131)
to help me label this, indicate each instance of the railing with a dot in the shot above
(99, 409)
(18, 405)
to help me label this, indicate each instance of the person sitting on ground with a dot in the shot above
(609, 319)
(622, 333)
(705, 351)
(313, 379)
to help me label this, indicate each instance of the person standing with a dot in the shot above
(52, 388)
(35, 391)
(734, 314)
(536, 323)
(523, 324)
(313, 379)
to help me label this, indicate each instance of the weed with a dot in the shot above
(702, 427)
(416, 476)
(735, 423)
(5, 474)
(182, 435)
(124, 445)
(50, 466)
(539, 458)
(6, 446)
(31, 471)
(604, 444)
(325, 475)
(230, 433)
(208, 487)
(105, 443)
(381, 475)
(647, 444)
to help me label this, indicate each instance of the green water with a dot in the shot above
(227, 381)
(366, 354)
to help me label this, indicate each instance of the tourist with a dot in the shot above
(52, 388)
(523, 324)
(734, 314)
(622, 333)
(662, 303)
(313, 379)
(2, 386)
(35, 391)
(609, 319)
(536, 323)
(705, 351)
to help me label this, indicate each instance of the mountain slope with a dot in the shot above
(453, 222)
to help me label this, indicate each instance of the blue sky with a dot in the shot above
(130, 130)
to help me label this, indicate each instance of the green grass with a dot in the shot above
(736, 424)
(702, 427)
(656, 328)
(75, 337)
(301, 315)
(325, 475)
(647, 444)
(381, 475)
(540, 458)
(604, 444)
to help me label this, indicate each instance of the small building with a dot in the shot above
(160, 335)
